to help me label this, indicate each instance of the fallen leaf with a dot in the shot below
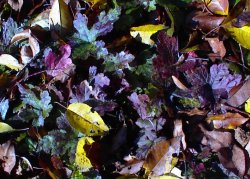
(5, 127)
(33, 44)
(179, 84)
(41, 19)
(241, 95)
(241, 136)
(160, 158)
(217, 46)
(132, 167)
(60, 18)
(239, 160)
(241, 35)
(97, 2)
(227, 121)
(219, 7)
(247, 105)
(81, 159)
(146, 31)
(7, 156)
(16, 4)
(81, 118)
(10, 61)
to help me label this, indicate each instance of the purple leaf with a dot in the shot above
(140, 103)
(167, 54)
(221, 79)
(57, 65)
(101, 80)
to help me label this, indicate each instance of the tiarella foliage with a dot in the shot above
(41, 106)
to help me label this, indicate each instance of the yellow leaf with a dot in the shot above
(10, 61)
(97, 2)
(247, 105)
(5, 127)
(81, 159)
(241, 35)
(84, 120)
(146, 31)
(60, 18)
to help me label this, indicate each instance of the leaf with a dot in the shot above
(132, 167)
(10, 28)
(5, 127)
(81, 118)
(247, 105)
(16, 4)
(146, 31)
(4, 106)
(160, 159)
(241, 95)
(217, 46)
(41, 106)
(11, 62)
(60, 18)
(167, 49)
(60, 66)
(81, 159)
(227, 121)
(7, 156)
(241, 35)
(219, 7)
(97, 2)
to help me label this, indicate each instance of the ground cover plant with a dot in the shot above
(124, 89)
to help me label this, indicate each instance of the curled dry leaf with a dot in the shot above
(179, 84)
(10, 61)
(41, 19)
(227, 121)
(178, 132)
(160, 158)
(33, 45)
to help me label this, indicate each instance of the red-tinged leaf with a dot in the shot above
(217, 46)
(160, 158)
(219, 7)
(227, 121)
(241, 95)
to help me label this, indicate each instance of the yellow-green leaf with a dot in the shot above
(81, 159)
(146, 31)
(84, 120)
(5, 127)
(247, 105)
(60, 18)
(97, 2)
(10, 61)
(241, 35)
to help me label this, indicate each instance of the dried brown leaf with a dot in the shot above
(7, 156)
(217, 46)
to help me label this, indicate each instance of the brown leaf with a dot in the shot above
(160, 158)
(7, 156)
(204, 21)
(227, 121)
(178, 132)
(60, 18)
(219, 7)
(241, 95)
(179, 84)
(217, 46)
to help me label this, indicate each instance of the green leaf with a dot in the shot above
(41, 106)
